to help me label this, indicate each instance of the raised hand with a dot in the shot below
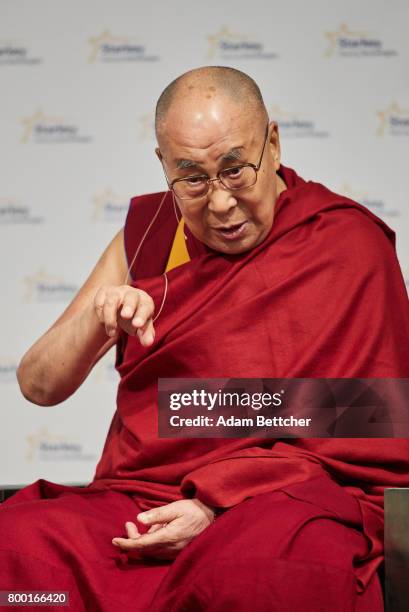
(126, 307)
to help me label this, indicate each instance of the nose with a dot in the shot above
(220, 199)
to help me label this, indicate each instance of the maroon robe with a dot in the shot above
(322, 296)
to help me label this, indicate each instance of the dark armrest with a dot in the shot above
(7, 491)
(397, 550)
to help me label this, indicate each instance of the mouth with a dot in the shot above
(231, 232)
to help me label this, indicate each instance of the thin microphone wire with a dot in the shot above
(165, 293)
(175, 208)
(128, 274)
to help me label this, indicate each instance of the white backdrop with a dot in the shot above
(79, 82)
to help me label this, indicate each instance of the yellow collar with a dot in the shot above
(178, 253)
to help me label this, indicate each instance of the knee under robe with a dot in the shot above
(293, 549)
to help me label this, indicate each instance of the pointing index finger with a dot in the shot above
(130, 304)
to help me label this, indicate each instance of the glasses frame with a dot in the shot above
(218, 177)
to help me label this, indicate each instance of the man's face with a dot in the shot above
(212, 139)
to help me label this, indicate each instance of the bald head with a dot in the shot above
(204, 84)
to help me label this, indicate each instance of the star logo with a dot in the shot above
(32, 282)
(7, 44)
(292, 122)
(277, 112)
(34, 441)
(343, 31)
(96, 42)
(29, 123)
(36, 118)
(223, 34)
(100, 200)
(106, 38)
(347, 190)
(384, 116)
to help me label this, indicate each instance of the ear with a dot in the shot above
(158, 153)
(274, 143)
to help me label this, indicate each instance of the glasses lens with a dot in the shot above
(191, 188)
(239, 177)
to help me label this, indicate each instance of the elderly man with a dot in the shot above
(240, 269)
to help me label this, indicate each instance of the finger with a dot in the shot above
(162, 514)
(147, 334)
(130, 303)
(132, 530)
(109, 310)
(99, 300)
(145, 541)
(144, 312)
(155, 527)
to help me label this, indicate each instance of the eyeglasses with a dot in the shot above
(235, 178)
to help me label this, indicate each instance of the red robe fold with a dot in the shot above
(322, 296)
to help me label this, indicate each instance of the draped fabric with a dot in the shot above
(321, 296)
(287, 550)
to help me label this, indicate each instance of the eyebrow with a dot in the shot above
(181, 164)
(232, 155)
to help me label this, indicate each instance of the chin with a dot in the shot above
(235, 249)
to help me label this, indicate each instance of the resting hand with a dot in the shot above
(173, 526)
(127, 307)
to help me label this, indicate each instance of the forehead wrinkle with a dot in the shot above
(233, 154)
(184, 161)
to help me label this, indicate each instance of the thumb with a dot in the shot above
(164, 514)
